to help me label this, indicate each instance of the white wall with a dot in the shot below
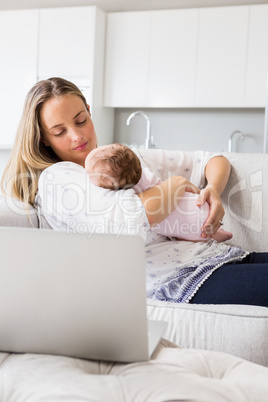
(191, 129)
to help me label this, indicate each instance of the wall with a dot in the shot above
(191, 129)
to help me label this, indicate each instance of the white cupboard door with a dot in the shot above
(18, 68)
(66, 42)
(257, 60)
(173, 58)
(221, 60)
(127, 59)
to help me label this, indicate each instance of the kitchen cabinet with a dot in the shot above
(66, 42)
(72, 46)
(173, 50)
(221, 58)
(177, 58)
(127, 59)
(202, 58)
(38, 44)
(257, 57)
(18, 67)
(151, 58)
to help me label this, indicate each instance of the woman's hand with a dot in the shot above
(217, 173)
(161, 200)
(210, 195)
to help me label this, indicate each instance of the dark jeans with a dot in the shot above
(241, 282)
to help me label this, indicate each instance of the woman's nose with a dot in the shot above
(75, 134)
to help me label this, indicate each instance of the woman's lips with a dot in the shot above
(81, 147)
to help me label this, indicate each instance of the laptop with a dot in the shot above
(75, 295)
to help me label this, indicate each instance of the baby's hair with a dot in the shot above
(121, 164)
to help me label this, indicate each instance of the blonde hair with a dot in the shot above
(29, 156)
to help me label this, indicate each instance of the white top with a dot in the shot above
(71, 203)
(175, 269)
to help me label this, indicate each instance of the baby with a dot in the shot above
(116, 166)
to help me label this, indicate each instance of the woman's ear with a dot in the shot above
(88, 108)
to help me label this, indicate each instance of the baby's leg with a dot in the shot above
(222, 235)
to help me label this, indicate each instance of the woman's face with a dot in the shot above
(67, 128)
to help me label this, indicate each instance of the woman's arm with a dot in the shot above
(217, 173)
(161, 200)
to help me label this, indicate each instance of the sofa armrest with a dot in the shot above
(245, 200)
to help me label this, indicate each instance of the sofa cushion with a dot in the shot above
(172, 375)
(236, 329)
(14, 213)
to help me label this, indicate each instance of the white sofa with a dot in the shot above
(237, 329)
(202, 369)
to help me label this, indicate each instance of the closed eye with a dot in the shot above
(81, 122)
(56, 135)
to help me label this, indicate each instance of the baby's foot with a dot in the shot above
(222, 235)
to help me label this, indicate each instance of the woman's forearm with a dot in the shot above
(217, 173)
(161, 200)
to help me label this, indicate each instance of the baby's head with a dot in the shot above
(113, 166)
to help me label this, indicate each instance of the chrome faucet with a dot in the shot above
(149, 138)
(230, 141)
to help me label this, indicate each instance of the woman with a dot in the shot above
(56, 126)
